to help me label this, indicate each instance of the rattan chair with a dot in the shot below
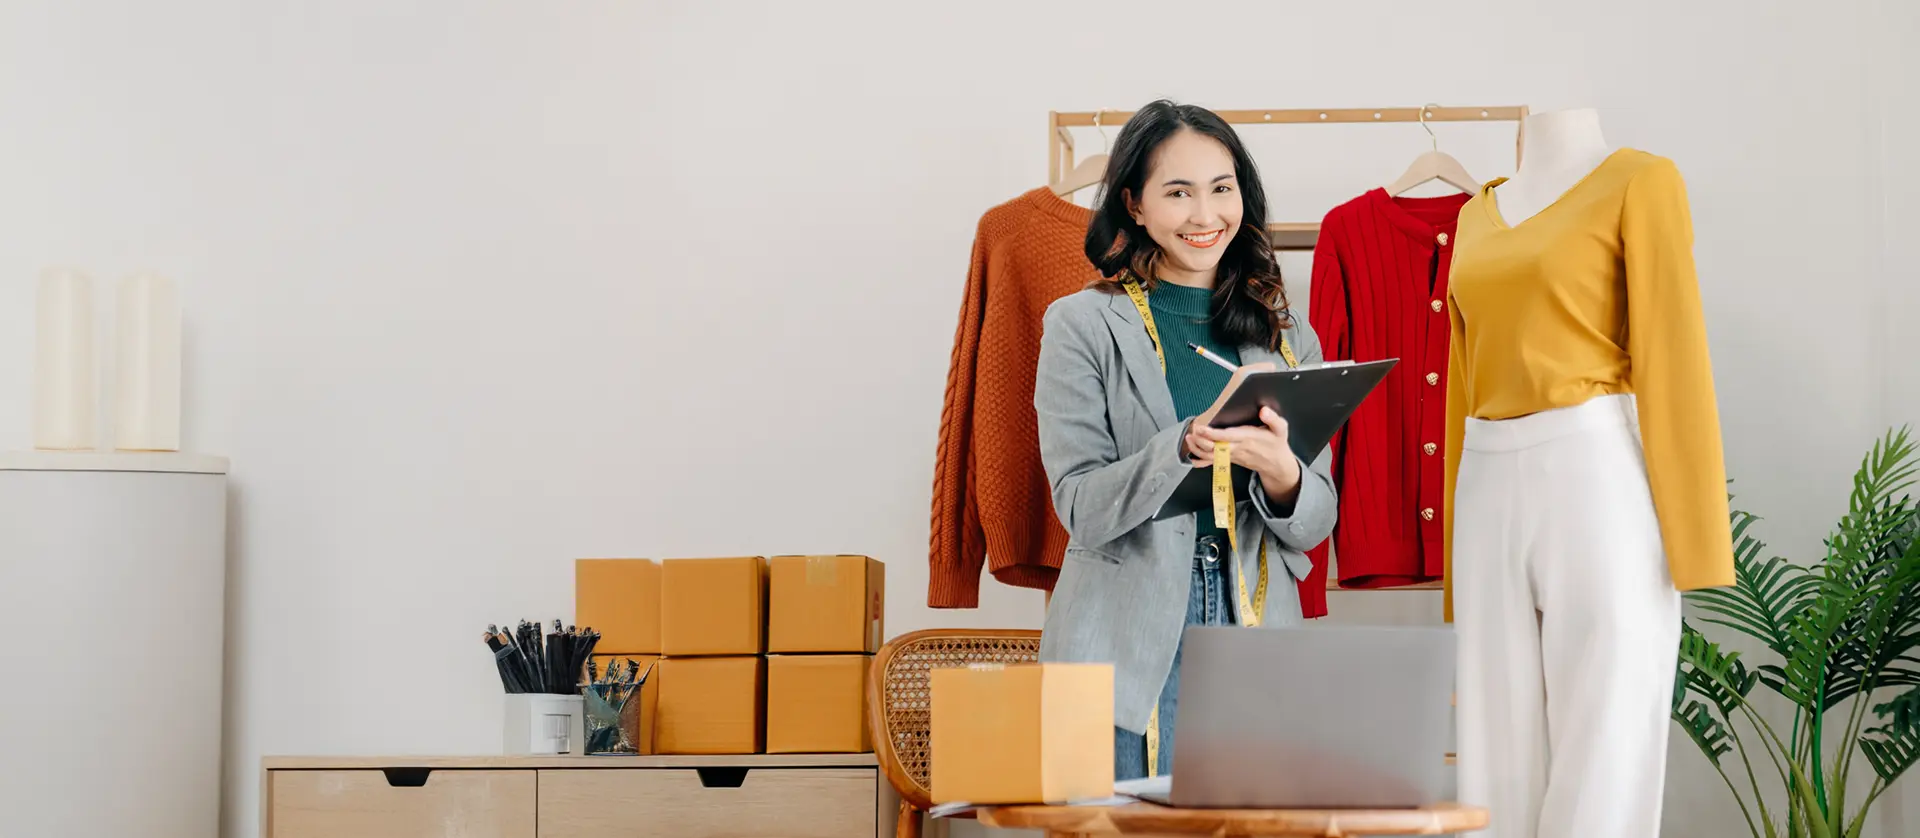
(900, 702)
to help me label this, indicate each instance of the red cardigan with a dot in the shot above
(1379, 291)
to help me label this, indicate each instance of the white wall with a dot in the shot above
(1897, 89)
(1895, 82)
(476, 288)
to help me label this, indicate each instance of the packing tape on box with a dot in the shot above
(823, 570)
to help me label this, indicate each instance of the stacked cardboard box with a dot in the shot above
(620, 598)
(755, 655)
(825, 621)
(713, 633)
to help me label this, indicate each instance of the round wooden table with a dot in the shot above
(1142, 819)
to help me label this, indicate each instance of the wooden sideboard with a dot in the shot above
(786, 795)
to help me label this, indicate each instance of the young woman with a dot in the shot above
(1180, 236)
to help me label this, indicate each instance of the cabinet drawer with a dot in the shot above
(709, 803)
(401, 803)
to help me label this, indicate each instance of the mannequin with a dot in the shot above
(1561, 147)
(1584, 486)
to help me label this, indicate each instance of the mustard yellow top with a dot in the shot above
(1596, 295)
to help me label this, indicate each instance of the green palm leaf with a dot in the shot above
(1874, 553)
(1891, 749)
(1719, 677)
(1903, 711)
(1844, 630)
(1881, 649)
(1814, 633)
(1706, 731)
(1889, 470)
(1766, 595)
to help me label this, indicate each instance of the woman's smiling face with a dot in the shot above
(1190, 206)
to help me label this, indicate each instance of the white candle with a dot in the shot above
(147, 392)
(63, 379)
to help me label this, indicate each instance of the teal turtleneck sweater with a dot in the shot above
(1180, 314)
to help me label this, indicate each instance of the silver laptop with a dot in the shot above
(1311, 717)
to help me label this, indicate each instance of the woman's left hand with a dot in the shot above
(1263, 449)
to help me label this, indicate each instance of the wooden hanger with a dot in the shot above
(1089, 171)
(1433, 165)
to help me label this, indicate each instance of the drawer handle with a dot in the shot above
(722, 778)
(409, 778)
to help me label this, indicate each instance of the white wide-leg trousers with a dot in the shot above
(1568, 625)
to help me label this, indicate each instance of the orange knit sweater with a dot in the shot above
(991, 503)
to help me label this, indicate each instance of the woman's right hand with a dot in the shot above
(1199, 451)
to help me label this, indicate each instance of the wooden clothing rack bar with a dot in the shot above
(1314, 116)
(1287, 235)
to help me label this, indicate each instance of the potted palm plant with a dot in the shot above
(1846, 635)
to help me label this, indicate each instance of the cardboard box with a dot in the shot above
(642, 732)
(817, 704)
(713, 607)
(1025, 733)
(620, 598)
(831, 604)
(712, 706)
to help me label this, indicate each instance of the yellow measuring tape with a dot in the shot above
(1252, 609)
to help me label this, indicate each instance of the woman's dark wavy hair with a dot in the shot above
(1249, 301)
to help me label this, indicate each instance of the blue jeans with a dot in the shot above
(1206, 606)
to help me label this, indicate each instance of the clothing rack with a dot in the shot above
(1290, 235)
(1286, 235)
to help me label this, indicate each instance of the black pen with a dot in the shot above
(553, 663)
(500, 662)
(566, 672)
(517, 666)
(576, 662)
(593, 639)
(527, 657)
(530, 646)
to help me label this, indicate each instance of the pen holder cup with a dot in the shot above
(543, 723)
(613, 718)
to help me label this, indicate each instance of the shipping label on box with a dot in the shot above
(1022, 733)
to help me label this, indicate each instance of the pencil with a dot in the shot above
(1208, 354)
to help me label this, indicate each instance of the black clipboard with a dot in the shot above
(1316, 401)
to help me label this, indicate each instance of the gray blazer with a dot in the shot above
(1111, 445)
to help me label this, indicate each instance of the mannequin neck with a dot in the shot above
(1561, 148)
(1559, 140)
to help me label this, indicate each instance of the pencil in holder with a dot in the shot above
(612, 706)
